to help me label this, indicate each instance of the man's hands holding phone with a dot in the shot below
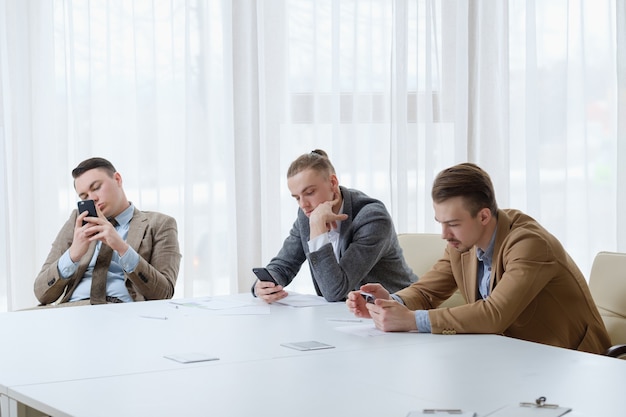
(89, 228)
(359, 302)
(266, 287)
(373, 301)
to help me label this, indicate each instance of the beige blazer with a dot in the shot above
(155, 238)
(537, 291)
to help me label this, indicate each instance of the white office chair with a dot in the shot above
(421, 251)
(607, 283)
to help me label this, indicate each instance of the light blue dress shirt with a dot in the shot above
(119, 265)
(484, 273)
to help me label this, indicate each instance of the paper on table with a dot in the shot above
(307, 345)
(221, 305)
(302, 300)
(191, 357)
(211, 303)
(441, 413)
(522, 411)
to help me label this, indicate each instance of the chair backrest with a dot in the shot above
(607, 283)
(421, 252)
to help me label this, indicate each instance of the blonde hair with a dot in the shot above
(316, 160)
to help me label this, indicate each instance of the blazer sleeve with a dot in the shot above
(434, 287)
(526, 266)
(286, 264)
(156, 273)
(49, 286)
(366, 241)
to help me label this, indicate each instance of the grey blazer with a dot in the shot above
(368, 251)
(155, 238)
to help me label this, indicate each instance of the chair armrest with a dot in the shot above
(616, 351)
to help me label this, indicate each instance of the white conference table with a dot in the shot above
(108, 361)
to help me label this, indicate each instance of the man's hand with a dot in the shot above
(268, 291)
(96, 228)
(356, 303)
(80, 243)
(391, 316)
(323, 218)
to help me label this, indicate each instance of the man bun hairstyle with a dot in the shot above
(316, 159)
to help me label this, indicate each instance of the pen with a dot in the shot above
(154, 317)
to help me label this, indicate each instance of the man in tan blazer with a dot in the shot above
(142, 247)
(516, 277)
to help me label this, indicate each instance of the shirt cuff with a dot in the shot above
(66, 266)
(130, 260)
(317, 243)
(423, 321)
(397, 298)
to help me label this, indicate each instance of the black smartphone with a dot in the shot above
(88, 206)
(264, 275)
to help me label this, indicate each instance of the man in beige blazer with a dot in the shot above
(144, 252)
(516, 277)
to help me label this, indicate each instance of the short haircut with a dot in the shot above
(93, 163)
(316, 160)
(469, 181)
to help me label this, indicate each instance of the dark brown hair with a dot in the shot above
(469, 181)
(93, 163)
(317, 160)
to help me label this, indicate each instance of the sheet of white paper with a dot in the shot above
(441, 413)
(212, 303)
(302, 300)
(519, 411)
(220, 305)
(191, 357)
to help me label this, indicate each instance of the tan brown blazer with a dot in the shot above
(155, 238)
(537, 291)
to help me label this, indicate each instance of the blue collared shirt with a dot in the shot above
(484, 267)
(119, 265)
(484, 274)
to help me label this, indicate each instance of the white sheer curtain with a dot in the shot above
(202, 105)
(148, 85)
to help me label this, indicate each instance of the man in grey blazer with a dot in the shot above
(143, 252)
(348, 238)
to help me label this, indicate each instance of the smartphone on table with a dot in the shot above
(88, 206)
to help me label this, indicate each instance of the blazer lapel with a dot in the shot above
(345, 224)
(504, 226)
(136, 229)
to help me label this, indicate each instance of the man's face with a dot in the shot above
(310, 189)
(458, 227)
(105, 191)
